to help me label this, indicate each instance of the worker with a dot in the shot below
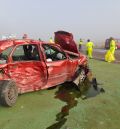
(25, 36)
(89, 47)
(51, 40)
(80, 44)
(113, 47)
(109, 56)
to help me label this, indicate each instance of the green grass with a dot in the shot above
(39, 110)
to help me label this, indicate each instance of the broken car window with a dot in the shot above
(4, 55)
(73, 56)
(52, 53)
(26, 53)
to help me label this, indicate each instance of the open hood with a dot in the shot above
(66, 41)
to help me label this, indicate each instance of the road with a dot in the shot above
(100, 54)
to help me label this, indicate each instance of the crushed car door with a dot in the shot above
(56, 62)
(27, 69)
(73, 63)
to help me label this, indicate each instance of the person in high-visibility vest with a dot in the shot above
(110, 55)
(89, 47)
(113, 47)
(25, 36)
(51, 40)
(80, 44)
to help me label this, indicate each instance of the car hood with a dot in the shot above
(66, 41)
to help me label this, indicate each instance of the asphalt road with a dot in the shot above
(100, 54)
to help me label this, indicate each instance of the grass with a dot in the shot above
(62, 108)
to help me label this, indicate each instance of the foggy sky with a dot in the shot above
(93, 19)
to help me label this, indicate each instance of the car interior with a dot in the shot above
(52, 53)
(26, 53)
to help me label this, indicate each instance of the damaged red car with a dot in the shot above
(27, 65)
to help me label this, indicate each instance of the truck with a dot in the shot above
(28, 65)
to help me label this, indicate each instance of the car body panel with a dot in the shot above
(29, 76)
(33, 75)
(57, 72)
(66, 41)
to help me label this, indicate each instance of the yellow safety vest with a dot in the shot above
(80, 42)
(51, 41)
(89, 45)
(113, 44)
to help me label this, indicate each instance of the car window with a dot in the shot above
(4, 55)
(52, 53)
(26, 53)
(72, 56)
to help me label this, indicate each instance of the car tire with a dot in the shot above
(8, 93)
(84, 83)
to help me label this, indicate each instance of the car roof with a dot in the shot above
(11, 42)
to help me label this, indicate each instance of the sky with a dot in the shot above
(86, 19)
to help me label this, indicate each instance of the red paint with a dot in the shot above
(66, 41)
(38, 74)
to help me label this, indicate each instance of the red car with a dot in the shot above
(29, 65)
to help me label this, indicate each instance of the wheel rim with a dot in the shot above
(82, 76)
(11, 93)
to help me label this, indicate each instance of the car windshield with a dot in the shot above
(4, 55)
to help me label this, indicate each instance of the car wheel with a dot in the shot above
(82, 76)
(84, 85)
(8, 93)
(84, 82)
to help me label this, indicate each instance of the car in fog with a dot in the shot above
(28, 65)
